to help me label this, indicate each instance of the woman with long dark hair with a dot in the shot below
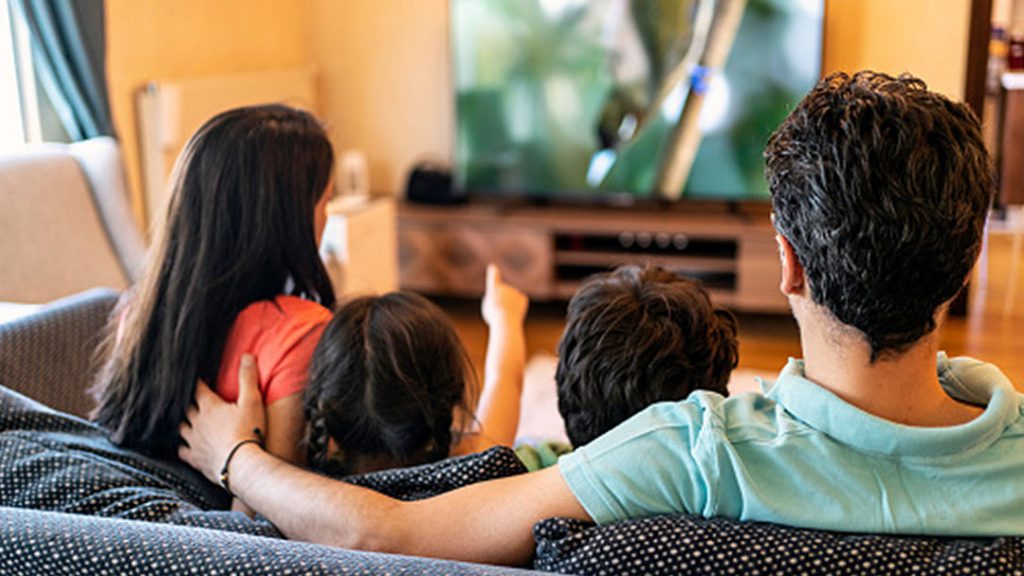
(235, 269)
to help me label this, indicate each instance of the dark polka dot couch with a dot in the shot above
(72, 503)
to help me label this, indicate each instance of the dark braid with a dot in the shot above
(384, 381)
(316, 439)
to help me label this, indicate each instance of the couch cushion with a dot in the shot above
(428, 480)
(36, 543)
(54, 241)
(689, 545)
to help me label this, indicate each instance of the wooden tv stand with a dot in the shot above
(546, 251)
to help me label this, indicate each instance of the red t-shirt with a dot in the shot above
(282, 334)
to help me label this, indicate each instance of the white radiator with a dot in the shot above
(170, 111)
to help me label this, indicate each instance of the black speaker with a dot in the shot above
(432, 184)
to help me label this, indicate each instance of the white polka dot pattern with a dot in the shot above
(71, 503)
(35, 543)
(57, 462)
(48, 354)
(432, 479)
(687, 545)
(54, 461)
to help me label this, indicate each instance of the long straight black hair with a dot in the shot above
(239, 229)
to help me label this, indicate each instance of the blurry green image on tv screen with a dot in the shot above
(589, 98)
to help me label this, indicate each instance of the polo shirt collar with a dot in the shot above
(962, 378)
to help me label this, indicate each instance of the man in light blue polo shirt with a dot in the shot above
(801, 456)
(880, 190)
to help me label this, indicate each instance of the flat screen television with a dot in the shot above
(626, 100)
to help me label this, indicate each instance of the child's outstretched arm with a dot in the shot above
(504, 310)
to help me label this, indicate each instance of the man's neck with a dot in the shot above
(903, 389)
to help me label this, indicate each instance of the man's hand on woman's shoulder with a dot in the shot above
(213, 427)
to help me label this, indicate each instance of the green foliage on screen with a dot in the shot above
(568, 97)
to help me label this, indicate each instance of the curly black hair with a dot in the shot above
(384, 381)
(882, 189)
(636, 336)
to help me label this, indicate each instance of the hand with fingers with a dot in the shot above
(214, 428)
(502, 305)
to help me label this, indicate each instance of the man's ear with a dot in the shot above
(793, 281)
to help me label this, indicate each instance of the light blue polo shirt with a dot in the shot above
(799, 455)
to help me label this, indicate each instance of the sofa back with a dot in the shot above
(55, 544)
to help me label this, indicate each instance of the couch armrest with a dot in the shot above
(49, 355)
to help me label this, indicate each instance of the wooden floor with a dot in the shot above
(989, 331)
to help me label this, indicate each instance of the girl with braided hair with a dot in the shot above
(388, 383)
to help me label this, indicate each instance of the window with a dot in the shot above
(26, 114)
(13, 131)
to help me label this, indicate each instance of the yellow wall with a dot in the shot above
(927, 38)
(173, 39)
(385, 74)
(386, 81)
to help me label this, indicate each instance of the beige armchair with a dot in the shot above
(65, 225)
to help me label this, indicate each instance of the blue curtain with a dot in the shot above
(69, 54)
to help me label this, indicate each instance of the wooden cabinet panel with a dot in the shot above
(548, 251)
(453, 259)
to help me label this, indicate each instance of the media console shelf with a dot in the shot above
(547, 251)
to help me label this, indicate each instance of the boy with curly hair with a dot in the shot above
(633, 337)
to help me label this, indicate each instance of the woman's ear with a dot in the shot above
(793, 281)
